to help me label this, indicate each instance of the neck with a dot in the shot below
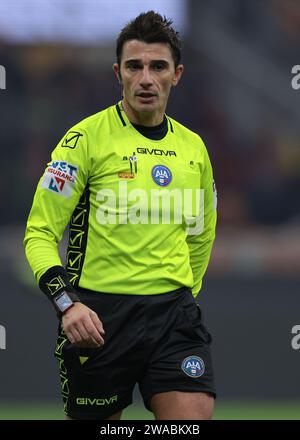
(148, 119)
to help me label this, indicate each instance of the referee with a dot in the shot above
(136, 188)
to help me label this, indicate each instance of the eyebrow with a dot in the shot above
(138, 61)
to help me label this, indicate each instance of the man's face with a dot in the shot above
(147, 73)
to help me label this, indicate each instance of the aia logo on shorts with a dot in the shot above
(193, 366)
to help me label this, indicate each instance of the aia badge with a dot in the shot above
(161, 175)
(193, 366)
(60, 178)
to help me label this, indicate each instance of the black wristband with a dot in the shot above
(55, 281)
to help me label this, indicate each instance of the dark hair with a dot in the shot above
(150, 27)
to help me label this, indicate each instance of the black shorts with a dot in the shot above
(157, 341)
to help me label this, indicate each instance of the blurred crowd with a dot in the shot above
(253, 141)
(251, 113)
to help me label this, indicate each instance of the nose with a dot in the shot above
(146, 79)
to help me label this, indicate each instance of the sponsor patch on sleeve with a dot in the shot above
(60, 178)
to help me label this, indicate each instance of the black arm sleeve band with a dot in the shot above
(54, 281)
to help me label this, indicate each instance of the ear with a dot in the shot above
(117, 72)
(177, 75)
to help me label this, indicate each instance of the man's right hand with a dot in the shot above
(83, 327)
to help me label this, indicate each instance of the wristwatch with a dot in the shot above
(63, 302)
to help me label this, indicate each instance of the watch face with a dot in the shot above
(63, 302)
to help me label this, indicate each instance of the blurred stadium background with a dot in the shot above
(236, 93)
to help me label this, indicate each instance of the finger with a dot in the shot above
(74, 335)
(93, 332)
(87, 339)
(70, 337)
(97, 322)
(79, 326)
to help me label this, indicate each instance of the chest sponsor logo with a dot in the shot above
(155, 151)
(60, 178)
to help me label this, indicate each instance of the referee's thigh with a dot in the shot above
(182, 405)
(116, 416)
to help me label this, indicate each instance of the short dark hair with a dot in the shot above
(150, 27)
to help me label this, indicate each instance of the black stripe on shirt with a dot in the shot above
(120, 115)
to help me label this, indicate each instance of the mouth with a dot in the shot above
(146, 96)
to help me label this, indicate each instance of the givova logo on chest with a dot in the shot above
(156, 151)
